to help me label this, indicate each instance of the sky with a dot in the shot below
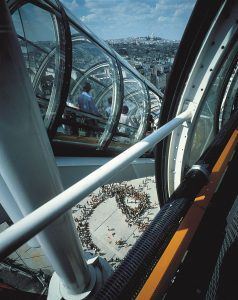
(112, 19)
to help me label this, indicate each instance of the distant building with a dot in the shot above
(161, 81)
(152, 56)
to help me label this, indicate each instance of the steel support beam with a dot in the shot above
(18, 233)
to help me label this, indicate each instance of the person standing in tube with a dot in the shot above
(86, 104)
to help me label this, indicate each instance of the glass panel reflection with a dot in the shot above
(92, 103)
(17, 23)
(134, 113)
(229, 102)
(38, 26)
(204, 130)
(38, 37)
(155, 107)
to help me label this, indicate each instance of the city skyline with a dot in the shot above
(114, 19)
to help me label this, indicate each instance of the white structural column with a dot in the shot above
(8, 202)
(10, 206)
(27, 164)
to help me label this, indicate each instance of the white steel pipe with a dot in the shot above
(17, 234)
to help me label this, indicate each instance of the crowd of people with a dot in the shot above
(82, 222)
(124, 195)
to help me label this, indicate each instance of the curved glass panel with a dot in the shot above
(17, 23)
(43, 82)
(38, 36)
(155, 107)
(92, 103)
(204, 130)
(42, 37)
(134, 114)
(229, 103)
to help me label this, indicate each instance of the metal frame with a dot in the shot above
(14, 4)
(224, 107)
(118, 109)
(140, 132)
(67, 67)
(64, 21)
(228, 107)
(212, 48)
(86, 73)
(31, 43)
(64, 69)
(26, 228)
(195, 32)
(42, 67)
(218, 63)
(52, 105)
(110, 124)
(212, 65)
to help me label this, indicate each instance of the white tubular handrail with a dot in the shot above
(20, 232)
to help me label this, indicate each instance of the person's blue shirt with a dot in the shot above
(86, 103)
